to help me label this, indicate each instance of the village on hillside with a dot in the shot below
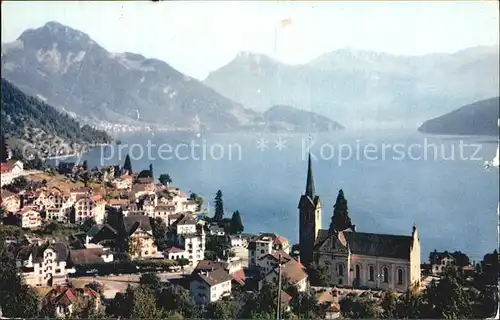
(111, 242)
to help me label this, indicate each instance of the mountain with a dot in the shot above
(26, 119)
(479, 118)
(286, 118)
(362, 86)
(73, 73)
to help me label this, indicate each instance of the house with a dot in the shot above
(118, 203)
(215, 230)
(90, 206)
(264, 244)
(237, 241)
(124, 182)
(56, 204)
(164, 211)
(174, 253)
(65, 301)
(185, 224)
(11, 202)
(44, 265)
(440, 261)
(210, 286)
(292, 272)
(9, 171)
(270, 261)
(141, 235)
(359, 259)
(90, 255)
(329, 298)
(29, 218)
(194, 244)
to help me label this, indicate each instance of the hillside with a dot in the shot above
(287, 118)
(479, 118)
(73, 73)
(26, 119)
(362, 86)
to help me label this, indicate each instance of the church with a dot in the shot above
(357, 259)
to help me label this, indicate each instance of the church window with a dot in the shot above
(340, 269)
(357, 271)
(400, 276)
(371, 274)
(385, 274)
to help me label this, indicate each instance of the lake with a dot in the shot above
(391, 180)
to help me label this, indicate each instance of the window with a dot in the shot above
(340, 269)
(340, 281)
(262, 251)
(385, 274)
(357, 271)
(371, 275)
(400, 276)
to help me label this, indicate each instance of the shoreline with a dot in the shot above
(76, 154)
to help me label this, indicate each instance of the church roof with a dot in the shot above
(372, 244)
(381, 245)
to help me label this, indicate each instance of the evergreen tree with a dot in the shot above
(340, 219)
(85, 166)
(151, 170)
(4, 154)
(219, 207)
(165, 179)
(236, 226)
(127, 165)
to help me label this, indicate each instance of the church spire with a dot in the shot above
(310, 181)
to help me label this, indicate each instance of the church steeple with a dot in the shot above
(310, 180)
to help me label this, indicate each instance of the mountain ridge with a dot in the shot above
(478, 118)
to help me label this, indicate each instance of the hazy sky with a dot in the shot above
(199, 37)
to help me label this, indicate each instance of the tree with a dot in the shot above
(165, 179)
(447, 298)
(151, 170)
(143, 304)
(357, 307)
(17, 300)
(389, 304)
(220, 310)
(87, 224)
(159, 229)
(85, 165)
(318, 275)
(219, 207)
(306, 306)
(461, 259)
(197, 199)
(236, 226)
(4, 154)
(127, 165)
(151, 280)
(176, 299)
(340, 219)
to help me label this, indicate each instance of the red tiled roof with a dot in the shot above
(66, 298)
(239, 276)
(5, 167)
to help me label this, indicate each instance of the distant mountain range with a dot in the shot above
(70, 71)
(479, 118)
(26, 119)
(362, 86)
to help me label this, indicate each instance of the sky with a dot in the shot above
(198, 37)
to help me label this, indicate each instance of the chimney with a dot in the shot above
(298, 258)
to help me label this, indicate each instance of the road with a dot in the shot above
(118, 283)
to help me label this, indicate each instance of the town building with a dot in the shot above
(29, 218)
(264, 244)
(90, 206)
(10, 171)
(44, 265)
(210, 286)
(292, 271)
(141, 237)
(440, 261)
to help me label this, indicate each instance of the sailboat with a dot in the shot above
(495, 163)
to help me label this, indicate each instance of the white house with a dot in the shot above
(206, 287)
(194, 244)
(28, 217)
(9, 171)
(90, 206)
(292, 272)
(264, 244)
(175, 253)
(44, 265)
